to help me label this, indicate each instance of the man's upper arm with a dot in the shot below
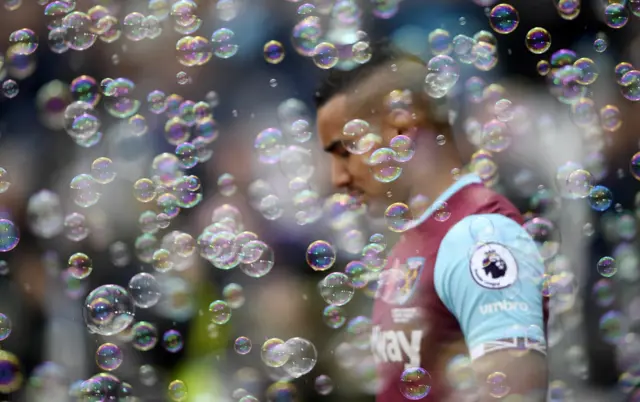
(488, 273)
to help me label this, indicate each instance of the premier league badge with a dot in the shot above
(493, 266)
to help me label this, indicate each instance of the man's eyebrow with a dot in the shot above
(332, 147)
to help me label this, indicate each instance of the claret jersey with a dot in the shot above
(465, 280)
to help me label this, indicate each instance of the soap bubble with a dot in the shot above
(108, 310)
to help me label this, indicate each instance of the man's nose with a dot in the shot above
(340, 176)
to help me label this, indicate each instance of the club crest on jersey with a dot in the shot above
(493, 266)
(398, 288)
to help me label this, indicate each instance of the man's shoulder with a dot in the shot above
(478, 199)
(469, 201)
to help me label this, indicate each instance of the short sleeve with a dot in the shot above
(488, 273)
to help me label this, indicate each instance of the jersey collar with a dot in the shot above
(463, 181)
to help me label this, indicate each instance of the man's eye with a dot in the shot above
(343, 153)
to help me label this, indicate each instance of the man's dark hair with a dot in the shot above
(388, 70)
(338, 81)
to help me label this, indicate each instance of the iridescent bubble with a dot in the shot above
(498, 384)
(583, 113)
(75, 227)
(485, 56)
(269, 144)
(562, 58)
(336, 289)
(157, 102)
(634, 166)
(357, 137)
(600, 198)
(621, 69)
(600, 45)
(144, 190)
(81, 120)
(579, 183)
(306, 9)
(334, 316)
(258, 258)
(102, 170)
(162, 260)
(385, 9)
(320, 255)
(504, 18)
(630, 85)
(172, 341)
(5, 327)
(193, 51)
(85, 190)
(242, 345)
(607, 267)
(404, 147)
(233, 293)
(323, 384)
(138, 125)
(357, 273)
(144, 289)
(10, 89)
(274, 352)
(273, 52)
(616, 15)
(187, 154)
(302, 357)
(415, 383)
(306, 34)
(145, 336)
(439, 41)
(220, 312)
(384, 166)
(538, 40)
(184, 13)
(23, 41)
(178, 391)
(325, 55)
(588, 70)
(12, 374)
(603, 293)
(223, 43)
(634, 6)
(495, 136)
(133, 25)
(445, 71)
(610, 118)
(613, 326)
(441, 212)
(108, 356)
(300, 131)
(361, 52)
(543, 67)
(463, 48)
(80, 265)
(5, 182)
(398, 217)
(108, 310)
(85, 89)
(78, 31)
(271, 207)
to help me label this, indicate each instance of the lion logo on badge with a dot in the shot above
(493, 265)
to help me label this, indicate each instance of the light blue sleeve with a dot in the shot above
(489, 274)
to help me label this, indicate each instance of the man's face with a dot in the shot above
(349, 171)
